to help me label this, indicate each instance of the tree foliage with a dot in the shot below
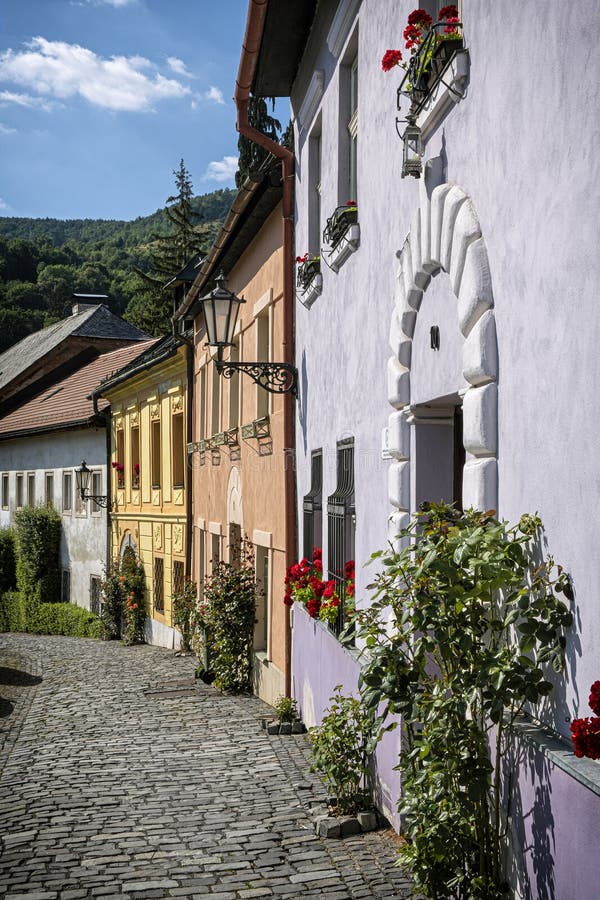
(43, 261)
(476, 624)
(251, 155)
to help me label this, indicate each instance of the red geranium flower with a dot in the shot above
(447, 12)
(390, 59)
(585, 734)
(420, 17)
(594, 700)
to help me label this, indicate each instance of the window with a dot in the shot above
(263, 345)
(67, 492)
(348, 134)
(314, 199)
(95, 594)
(313, 507)
(215, 415)
(178, 450)
(341, 522)
(5, 488)
(80, 505)
(202, 403)
(65, 594)
(201, 562)
(135, 458)
(120, 467)
(261, 627)
(49, 488)
(215, 551)
(156, 453)
(159, 584)
(234, 389)
(177, 577)
(31, 489)
(96, 491)
(19, 490)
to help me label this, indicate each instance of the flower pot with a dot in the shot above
(442, 55)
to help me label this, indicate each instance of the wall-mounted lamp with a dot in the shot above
(221, 308)
(82, 481)
(413, 149)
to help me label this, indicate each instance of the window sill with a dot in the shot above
(345, 248)
(585, 771)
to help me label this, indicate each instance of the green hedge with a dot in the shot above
(12, 612)
(66, 618)
(8, 565)
(38, 542)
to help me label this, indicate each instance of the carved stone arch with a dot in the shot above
(127, 541)
(445, 234)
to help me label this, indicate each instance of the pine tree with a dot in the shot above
(151, 306)
(251, 155)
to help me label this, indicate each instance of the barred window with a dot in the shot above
(159, 584)
(177, 577)
(313, 506)
(95, 594)
(341, 524)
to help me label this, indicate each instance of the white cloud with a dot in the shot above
(178, 66)
(223, 170)
(61, 70)
(3, 205)
(5, 129)
(112, 2)
(215, 94)
(25, 100)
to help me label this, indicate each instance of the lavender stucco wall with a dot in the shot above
(319, 664)
(524, 145)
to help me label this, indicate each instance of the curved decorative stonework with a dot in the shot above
(445, 234)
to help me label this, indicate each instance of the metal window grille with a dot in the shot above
(66, 586)
(341, 522)
(95, 595)
(313, 507)
(159, 584)
(177, 577)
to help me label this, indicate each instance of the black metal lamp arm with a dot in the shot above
(277, 378)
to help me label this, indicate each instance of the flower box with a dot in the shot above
(308, 269)
(427, 66)
(339, 223)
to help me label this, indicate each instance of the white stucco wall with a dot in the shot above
(523, 146)
(84, 537)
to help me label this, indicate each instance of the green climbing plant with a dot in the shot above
(466, 623)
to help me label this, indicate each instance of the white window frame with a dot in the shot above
(5, 490)
(67, 510)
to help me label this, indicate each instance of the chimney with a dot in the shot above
(87, 301)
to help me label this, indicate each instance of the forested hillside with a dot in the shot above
(43, 261)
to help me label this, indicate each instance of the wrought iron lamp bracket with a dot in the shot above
(277, 378)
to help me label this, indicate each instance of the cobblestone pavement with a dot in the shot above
(121, 777)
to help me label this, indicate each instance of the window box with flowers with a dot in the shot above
(135, 477)
(329, 601)
(342, 234)
(585, 732)
(437, 69)
(119, 470)
(308, 278)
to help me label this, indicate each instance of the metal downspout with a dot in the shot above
(257, 11)
(189, 412)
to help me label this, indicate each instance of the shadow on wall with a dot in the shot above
(531, 822)
(303, 399)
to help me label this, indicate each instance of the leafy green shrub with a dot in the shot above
(113, 593)
(12, 612)
(38, 542)
(134, 584)
(229, 615)
(68, 619)
(8, 570)
(286, 709)
(184, 604)
(340, 751)
(476, 619)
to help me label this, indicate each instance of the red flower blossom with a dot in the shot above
(317, 553)
(390, 59)
(350, 569)
(329, 589)
(450, 27)
(447, 12)
(302, 259)
(350, 589)
(318, 565)
(585, 734)
(350, 202)
(594, 700)
(420, 17)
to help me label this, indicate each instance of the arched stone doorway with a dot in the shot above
(445, 235)
(128, 541)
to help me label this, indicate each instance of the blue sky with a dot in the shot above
(100, 99)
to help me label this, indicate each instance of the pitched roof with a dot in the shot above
(66, 403)
(97, 323)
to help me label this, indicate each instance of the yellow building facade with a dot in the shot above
(150, 477)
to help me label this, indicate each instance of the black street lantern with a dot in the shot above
(413, 149)
(221, 309)
(82, 481)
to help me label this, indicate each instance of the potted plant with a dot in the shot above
(339, 222)
(120, 472)
(308, 267)
(585, 732)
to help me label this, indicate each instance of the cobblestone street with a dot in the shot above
(122, 777)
